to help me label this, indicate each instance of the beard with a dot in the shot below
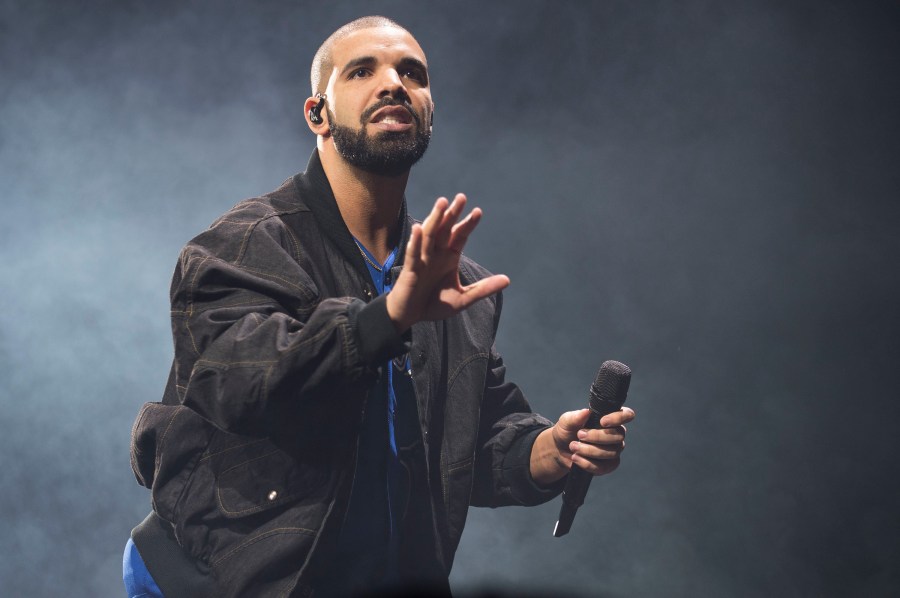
(389, 153)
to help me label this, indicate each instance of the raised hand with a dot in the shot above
(428, 288)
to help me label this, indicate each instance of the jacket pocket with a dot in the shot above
(246, 493)
(265, 481)
(167, 442)
(143, 445)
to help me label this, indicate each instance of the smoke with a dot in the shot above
(705, 192)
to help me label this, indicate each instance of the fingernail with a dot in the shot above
(582, 434)
(573, 447)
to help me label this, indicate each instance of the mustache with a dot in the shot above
(388, 101)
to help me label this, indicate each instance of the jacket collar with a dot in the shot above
(316, 193)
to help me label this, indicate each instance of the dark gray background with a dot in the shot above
(705, 191)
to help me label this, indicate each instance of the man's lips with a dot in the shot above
(397, 115)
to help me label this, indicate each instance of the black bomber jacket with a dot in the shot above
(278, 340)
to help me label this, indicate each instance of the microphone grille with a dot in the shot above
(612, 382)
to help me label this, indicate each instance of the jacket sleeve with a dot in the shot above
(253, 338)
(507, 431)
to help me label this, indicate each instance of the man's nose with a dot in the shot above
(392, 85)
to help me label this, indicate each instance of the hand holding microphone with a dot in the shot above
(607, 395)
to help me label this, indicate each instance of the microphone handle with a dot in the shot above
(579, 480)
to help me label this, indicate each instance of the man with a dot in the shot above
(335, 403)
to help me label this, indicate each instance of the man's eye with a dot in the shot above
(359, 73)
(415, 75)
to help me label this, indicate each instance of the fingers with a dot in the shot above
(452, 214)
(442, 229)
(461, 230)
(598, 451)
(596, 467)
(432, 224)
(481, 289)
(571, 421)
(603, 435)
(597, 459)
(617, 418)
(603, 443)
(414, 246)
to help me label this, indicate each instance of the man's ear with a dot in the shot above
(316, 115)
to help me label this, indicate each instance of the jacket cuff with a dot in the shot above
(376, 336)
(517, 464)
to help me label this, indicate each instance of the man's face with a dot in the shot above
(379, 109)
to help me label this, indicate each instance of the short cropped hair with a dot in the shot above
(323, 63)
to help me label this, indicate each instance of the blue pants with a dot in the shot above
(138, 582)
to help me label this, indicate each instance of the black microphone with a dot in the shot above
(608, 393)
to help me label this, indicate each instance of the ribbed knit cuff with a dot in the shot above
(517, 464)
(376, 335)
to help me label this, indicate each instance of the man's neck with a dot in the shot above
(369, 204)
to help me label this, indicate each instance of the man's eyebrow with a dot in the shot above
(357, 62)
(410, 61)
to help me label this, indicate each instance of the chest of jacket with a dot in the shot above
(241, 503)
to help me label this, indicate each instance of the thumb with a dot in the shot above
(572, 421)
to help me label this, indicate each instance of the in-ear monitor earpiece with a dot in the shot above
(315, 113)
